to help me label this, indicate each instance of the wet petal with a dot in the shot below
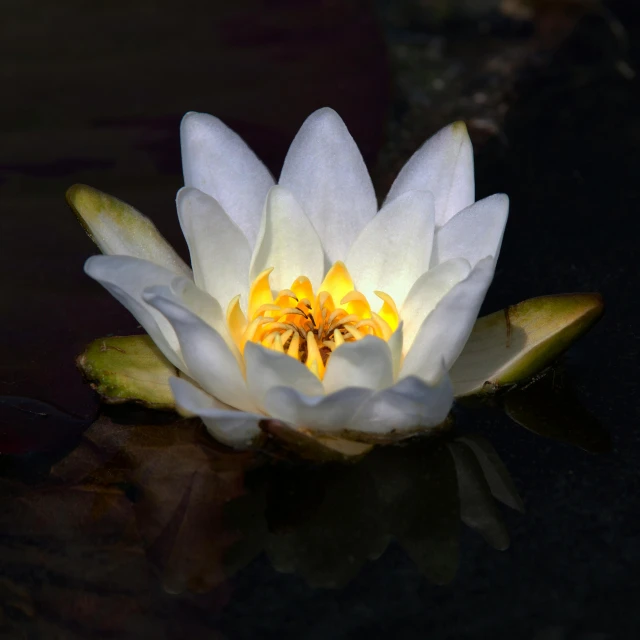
(326, 173)
(218, 162)
(220, 253)
(394, 249)
(444, 166)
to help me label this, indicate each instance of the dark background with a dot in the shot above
(95, 94)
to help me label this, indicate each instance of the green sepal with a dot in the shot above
(510, 346)
(128, 369)
(119, 229)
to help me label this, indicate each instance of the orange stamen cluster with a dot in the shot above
(309, 327)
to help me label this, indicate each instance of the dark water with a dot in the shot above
(133, 525)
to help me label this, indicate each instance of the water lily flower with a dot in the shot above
(305, 303)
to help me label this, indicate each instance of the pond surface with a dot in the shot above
(522, 522)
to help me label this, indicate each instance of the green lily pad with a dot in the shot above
(510, 346)
(128, 369)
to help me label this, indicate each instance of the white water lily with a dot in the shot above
(306, 304)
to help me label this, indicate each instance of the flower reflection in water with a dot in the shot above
(325, 523)
(78, 546)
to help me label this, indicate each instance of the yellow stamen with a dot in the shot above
(338, 281)
(355, 334)
(236, 321)
(302, 288)
(314, 359)
(285, 336)
(260, 293)
(357, 304)
(277, 343)
(250, 331)
(389, 311)
(383, 329)
(306, 326)
(294, 347)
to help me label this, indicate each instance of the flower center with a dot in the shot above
(306, 326)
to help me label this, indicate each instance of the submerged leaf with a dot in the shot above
(512, 345)
(550, 408)
(128, 369)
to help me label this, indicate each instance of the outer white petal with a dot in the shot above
(217, 161)
(198, 302)
(473, 233)
(209, 360)
(394, 249)
(326, 173)
(444, 166)
(231, 427)
(365, 363)
(220, 253)
(267, 369)
(408, 404)
(125, 278)
(395, 343)
(446, 329)
(425, 294)
(287, 242)
(321, 413)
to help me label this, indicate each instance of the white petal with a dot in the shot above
(444, 166)
(217, 161)
(473, 233)
(267, 369)
(365, 363)
(321, 413)
(198, 302)
(425, 294)
(287, 242)
(409, 404)
(119, 229)
(220, 253)
(209, 360)
(326, 173)
(395, 343)
(125, 278)
(394, 249)
(231, 427)
(443, 334)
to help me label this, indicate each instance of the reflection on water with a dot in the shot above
(324, 523)
(135, 507)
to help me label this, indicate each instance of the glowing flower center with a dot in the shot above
(306, 326)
